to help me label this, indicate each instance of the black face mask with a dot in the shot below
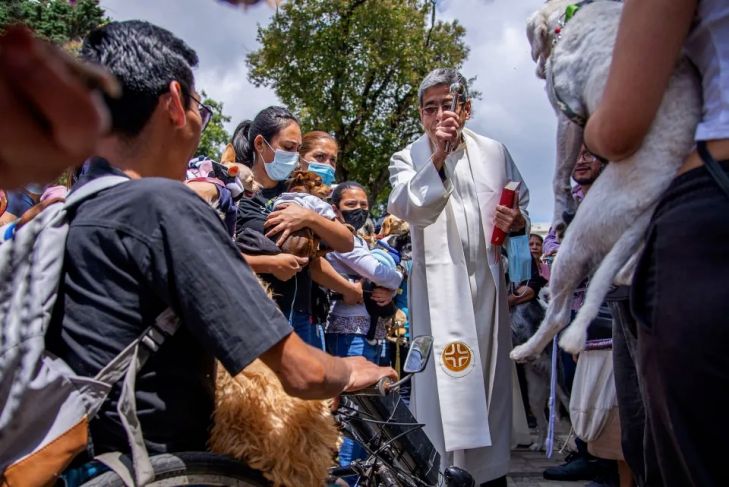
(356, 218)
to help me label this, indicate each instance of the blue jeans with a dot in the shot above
(306, 329)
(351, 345)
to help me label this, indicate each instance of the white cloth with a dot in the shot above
(308, 201)
(593, 393)
(359, 263)
(458, 293)
(707, 46)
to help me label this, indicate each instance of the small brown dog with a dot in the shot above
(292, 441)
(304, 243)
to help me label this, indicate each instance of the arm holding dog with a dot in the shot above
(293, 217)
(283, 266)
(645, 55)
(325, 275)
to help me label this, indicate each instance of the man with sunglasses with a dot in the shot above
(151, 244)
(447, 186)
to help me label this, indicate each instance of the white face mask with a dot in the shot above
(283, 163)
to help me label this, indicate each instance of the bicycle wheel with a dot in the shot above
(192, 468)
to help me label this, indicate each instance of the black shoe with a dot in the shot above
(576, 467)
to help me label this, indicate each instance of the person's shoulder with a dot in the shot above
(150, 198)
(404, 154)
(158, 191)
(482, 139)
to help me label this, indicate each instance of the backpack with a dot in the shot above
(45, 408)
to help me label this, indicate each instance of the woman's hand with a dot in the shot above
(287, 219)
(354, 294)
(382, 296)
(286, 266)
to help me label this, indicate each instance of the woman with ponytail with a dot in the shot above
(269, 145)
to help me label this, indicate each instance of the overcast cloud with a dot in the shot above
(513, 108)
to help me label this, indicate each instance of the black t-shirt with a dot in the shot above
(133, 251)
(252, 213)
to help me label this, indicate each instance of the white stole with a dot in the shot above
(461, 393)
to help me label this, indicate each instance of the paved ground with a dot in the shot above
(527, 466)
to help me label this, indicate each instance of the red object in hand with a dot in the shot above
(508, 198)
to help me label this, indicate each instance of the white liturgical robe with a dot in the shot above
(458, 295)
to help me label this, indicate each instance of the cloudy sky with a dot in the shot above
(513, 108)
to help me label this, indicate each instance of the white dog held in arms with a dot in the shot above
(574, 55)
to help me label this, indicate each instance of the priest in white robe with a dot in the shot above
(447, 186)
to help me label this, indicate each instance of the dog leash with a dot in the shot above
(552, 400)
(713, 167)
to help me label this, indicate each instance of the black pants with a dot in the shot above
(680, 299)
(627, 387)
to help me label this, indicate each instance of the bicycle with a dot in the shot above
(399, 452)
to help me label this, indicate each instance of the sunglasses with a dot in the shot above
(206, 113)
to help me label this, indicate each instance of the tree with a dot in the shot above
(214, 138)
(56, 20)
(352, 68)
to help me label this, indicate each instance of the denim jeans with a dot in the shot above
(306, 329)
(351, 345)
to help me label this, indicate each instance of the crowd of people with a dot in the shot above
(265, 254)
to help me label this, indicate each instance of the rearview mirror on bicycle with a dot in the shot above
(418, 355)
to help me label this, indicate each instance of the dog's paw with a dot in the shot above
(573, 339)
(524, 353)
(537, 446)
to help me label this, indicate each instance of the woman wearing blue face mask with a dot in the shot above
(319, 155)
(269, 145)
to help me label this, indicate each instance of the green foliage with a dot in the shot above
(56, 20)
(215, 137)
(352, 68)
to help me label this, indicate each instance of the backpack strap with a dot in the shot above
(91, 188)
(126, 365)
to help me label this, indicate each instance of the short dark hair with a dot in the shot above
(145, 59)
(442, 76)
(336, 196)
(268, 123)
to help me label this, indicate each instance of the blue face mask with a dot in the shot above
(35, 188)
(520, 259)
(324, 171)
(282, 165)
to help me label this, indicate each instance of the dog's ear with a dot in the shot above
(385, 230)
(228, 156)
(538, 34)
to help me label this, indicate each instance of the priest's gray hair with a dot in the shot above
(442, 76)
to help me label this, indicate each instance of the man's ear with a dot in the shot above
(467, 109)
(175, 105)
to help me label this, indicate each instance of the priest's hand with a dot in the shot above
(447, 133)
(509, 219)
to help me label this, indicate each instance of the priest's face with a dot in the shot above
(436, 107)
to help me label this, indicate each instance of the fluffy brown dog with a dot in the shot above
(292, 441)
